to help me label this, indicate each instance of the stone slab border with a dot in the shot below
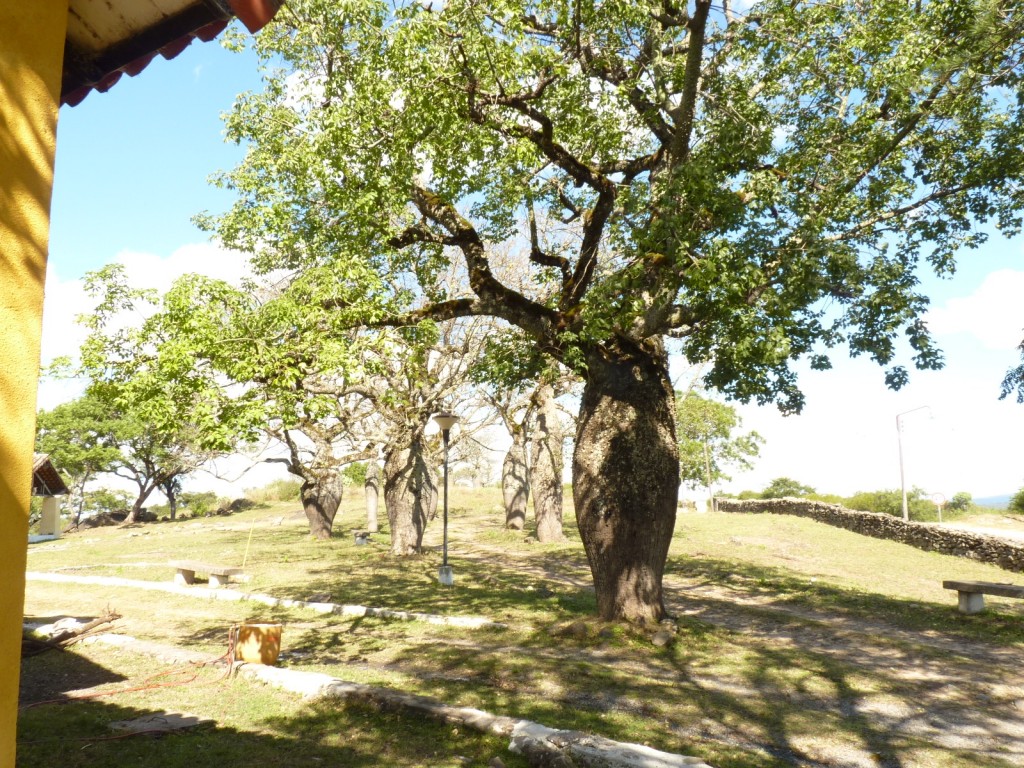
(542, 746)
(221, 593)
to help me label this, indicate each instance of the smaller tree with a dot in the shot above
(1017, 501)
(890, 502)
(960, 502)
(784, 487)
(78, 438)
(707, 443)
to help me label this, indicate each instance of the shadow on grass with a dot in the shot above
(370, 575)
(782, 589)
(325, 732)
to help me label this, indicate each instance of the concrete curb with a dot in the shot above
(541, 745)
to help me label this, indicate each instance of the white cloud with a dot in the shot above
(993, 314)
(146, 270)
(65, 300)
(846, 439)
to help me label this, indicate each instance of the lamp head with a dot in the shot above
(445, 420)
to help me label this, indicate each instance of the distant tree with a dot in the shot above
(167, 415)
(1017, 501)
(708, 444)
(104, 501)
(469, 462)
(79, 438)
(355, 473)
(960, 502)
(890, 502)
(171, 488)
(782, 487)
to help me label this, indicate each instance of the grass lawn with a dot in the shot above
(797, 644)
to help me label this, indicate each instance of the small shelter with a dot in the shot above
(48, 484)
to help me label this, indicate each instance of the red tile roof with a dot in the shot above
(46, 480)
(110, 39)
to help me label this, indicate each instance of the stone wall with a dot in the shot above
(932, 537)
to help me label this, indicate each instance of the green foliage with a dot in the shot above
(199, 504)
(279, 490)
(81, 438)
(784, 486)
(1017, 501)
(890, 502)
(961, 502)
(707, 443)
(765, 186)
(355, 474)
(105, 501)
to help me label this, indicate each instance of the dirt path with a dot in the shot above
(897, 687)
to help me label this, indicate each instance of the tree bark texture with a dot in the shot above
(372, 489)
(546, 466)
(626, 481)
(515, 483)
(410, 496)
(321, 498)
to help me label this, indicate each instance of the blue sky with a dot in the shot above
(131, 171)
(132, 163)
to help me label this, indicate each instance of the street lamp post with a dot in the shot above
(445, 421)
(899, 438)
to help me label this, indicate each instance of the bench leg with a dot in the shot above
(184, 577)
(971, 602)
(218, 581)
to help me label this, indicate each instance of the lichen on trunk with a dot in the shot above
(626, 480)
(515, 484)
(410, 495)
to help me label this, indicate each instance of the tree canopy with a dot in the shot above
(708, 440)
(762, 185)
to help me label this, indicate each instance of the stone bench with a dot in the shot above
(187, 569)
(972, 593)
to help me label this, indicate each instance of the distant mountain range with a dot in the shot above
(994, 502)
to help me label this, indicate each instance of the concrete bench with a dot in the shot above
(187, 569)
(972, 593)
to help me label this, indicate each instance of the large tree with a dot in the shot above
(760, 184)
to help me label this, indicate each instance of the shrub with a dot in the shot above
(199, 504)
(355, 474)
(1017, 501)
(285, 489)
(782, 487)
(890, 502)
(960, 502)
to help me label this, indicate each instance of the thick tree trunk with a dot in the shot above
(546, 466)
(321, 498)
(515, 484)
(138, 507)
(372, 489)
(626, 481)
(410, 495)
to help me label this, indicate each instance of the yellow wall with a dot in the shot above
(31, 48)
